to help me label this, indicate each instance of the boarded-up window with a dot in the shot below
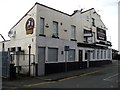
(71, 55)
(52, 54)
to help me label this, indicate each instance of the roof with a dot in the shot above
(4, 41)
(87, 10)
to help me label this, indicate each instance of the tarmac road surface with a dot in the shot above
(100, 77)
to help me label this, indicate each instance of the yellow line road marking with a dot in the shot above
(10, 88)
(42, 83)
(67, 78)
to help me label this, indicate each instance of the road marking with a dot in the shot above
(108, 78)
(67, 78)
(36, 84)
(90, 73)
(10, 88)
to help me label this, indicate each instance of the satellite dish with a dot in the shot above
(11, 34)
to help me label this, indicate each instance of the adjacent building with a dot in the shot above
(46, 40)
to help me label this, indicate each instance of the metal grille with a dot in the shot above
(4, 67)
(21, 62)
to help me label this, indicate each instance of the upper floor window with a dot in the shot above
(42, 21)
(87, 18)
(73, 32)
(87, 31)
(93, 22)
(55, 29)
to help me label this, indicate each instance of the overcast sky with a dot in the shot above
(12, 10)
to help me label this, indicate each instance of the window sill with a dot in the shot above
(55, 37)
(73, 39)
(42, 35)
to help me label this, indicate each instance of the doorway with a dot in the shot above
(41, 61)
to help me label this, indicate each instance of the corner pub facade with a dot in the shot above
(58, 41)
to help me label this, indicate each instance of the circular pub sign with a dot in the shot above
(29, 26)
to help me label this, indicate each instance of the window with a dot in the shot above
(73, 32)
(101, 54)
(104, 54)
(93, 54)
(87, 31)
(86, 55)
(109, 56)
(87, 18)
(71, 55)
(55, 29)
(93, 22)
(41, 25)
(52, 54)
(97, 54)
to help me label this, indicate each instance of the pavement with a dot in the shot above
(51, 77)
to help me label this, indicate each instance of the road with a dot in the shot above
(102, 77)
(106, 77)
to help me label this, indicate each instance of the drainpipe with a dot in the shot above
(29, 47)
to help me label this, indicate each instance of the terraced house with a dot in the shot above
(46, 40)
